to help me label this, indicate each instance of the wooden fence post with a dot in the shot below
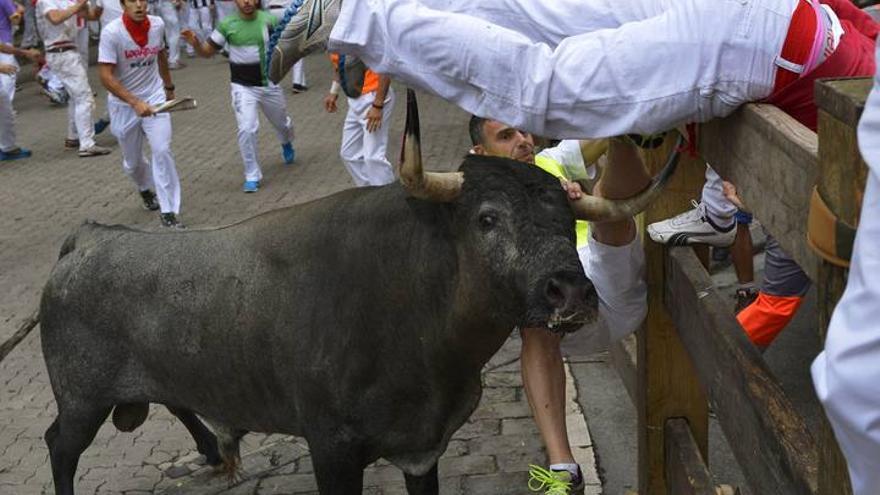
(667, 384)
(842, 175)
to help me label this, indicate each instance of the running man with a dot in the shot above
(133, 65)
(247, 32)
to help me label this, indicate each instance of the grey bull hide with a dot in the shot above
(359, 321)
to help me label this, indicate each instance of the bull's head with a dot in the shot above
(519, 222)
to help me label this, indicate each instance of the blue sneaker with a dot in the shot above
(287, 152)
(14, 154)
(251, 186)
(101, 125)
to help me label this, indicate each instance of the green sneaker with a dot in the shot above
(555, 482)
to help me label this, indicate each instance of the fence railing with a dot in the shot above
(692, 353)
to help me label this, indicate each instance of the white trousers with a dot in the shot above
(246, 100)
(7, 112)
(160, 174)
(847, 373)
(717, 206)
(69, 68)
(575, 68)
(362, 152)
(200, 22)
(169, 15)
(298, 74)
(618, 274)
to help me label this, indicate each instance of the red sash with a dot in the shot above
(854, 57)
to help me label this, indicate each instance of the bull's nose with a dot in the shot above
(563, 294)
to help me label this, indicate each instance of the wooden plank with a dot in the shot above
(769, 439)
(772, 159)
(667, 383)
(844, 98)
(686, 471)
(623, 358)
(843, 175)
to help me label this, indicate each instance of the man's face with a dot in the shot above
(136, 9)
(246, 7)
(502, 140)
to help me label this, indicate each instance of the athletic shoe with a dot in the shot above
(150, 201)
(176, 66)
(14, 154)
(692, 227)
(303, 29)
(101, 125)
(170, 220)
(94, 151)
(299, 88)
(55, 97)
(744, 297)
(251, 186)
(553, 482)
(71, 144)
(287, 152)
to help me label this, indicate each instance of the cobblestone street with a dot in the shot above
(44, 198)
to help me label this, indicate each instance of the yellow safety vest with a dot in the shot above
(551, 166)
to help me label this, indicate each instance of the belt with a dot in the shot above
(276, 7)
(59, 49)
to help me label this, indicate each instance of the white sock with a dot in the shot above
(571, 468)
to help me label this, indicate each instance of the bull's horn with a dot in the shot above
(598, 209)
(434, 186)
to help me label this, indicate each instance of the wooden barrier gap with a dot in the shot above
(769, 439)
(773, 160)
(686, 471)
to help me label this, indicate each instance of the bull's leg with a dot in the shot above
(426, 484)
(339, 469)
(206, 442)
(68, 436)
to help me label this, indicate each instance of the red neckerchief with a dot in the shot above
(139, 31)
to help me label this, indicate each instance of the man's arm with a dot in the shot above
(205, 48)
(374, 113)
(592, 149)
(165, 74)
(112, 84)
(57, 16)
(18, 52)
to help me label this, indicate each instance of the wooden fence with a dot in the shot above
(692, 353)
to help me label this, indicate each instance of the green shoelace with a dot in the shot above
(544, 479)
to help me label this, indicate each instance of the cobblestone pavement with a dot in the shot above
(44, 198)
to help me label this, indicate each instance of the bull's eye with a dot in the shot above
(488, 221)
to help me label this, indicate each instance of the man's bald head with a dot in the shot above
(494, 138)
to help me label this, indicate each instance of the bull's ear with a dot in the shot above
(433, 186)
(596, 209)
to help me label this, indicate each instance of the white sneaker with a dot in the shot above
(692, 227)
(303, 29)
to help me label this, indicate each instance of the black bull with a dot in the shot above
(359, 321)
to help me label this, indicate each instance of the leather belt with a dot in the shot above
(59, 49)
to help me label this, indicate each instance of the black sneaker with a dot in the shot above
(170, 220)
(744, 297)
(150, 201)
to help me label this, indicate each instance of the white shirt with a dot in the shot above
(64, 33)
(136, 67)
(111, 10)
